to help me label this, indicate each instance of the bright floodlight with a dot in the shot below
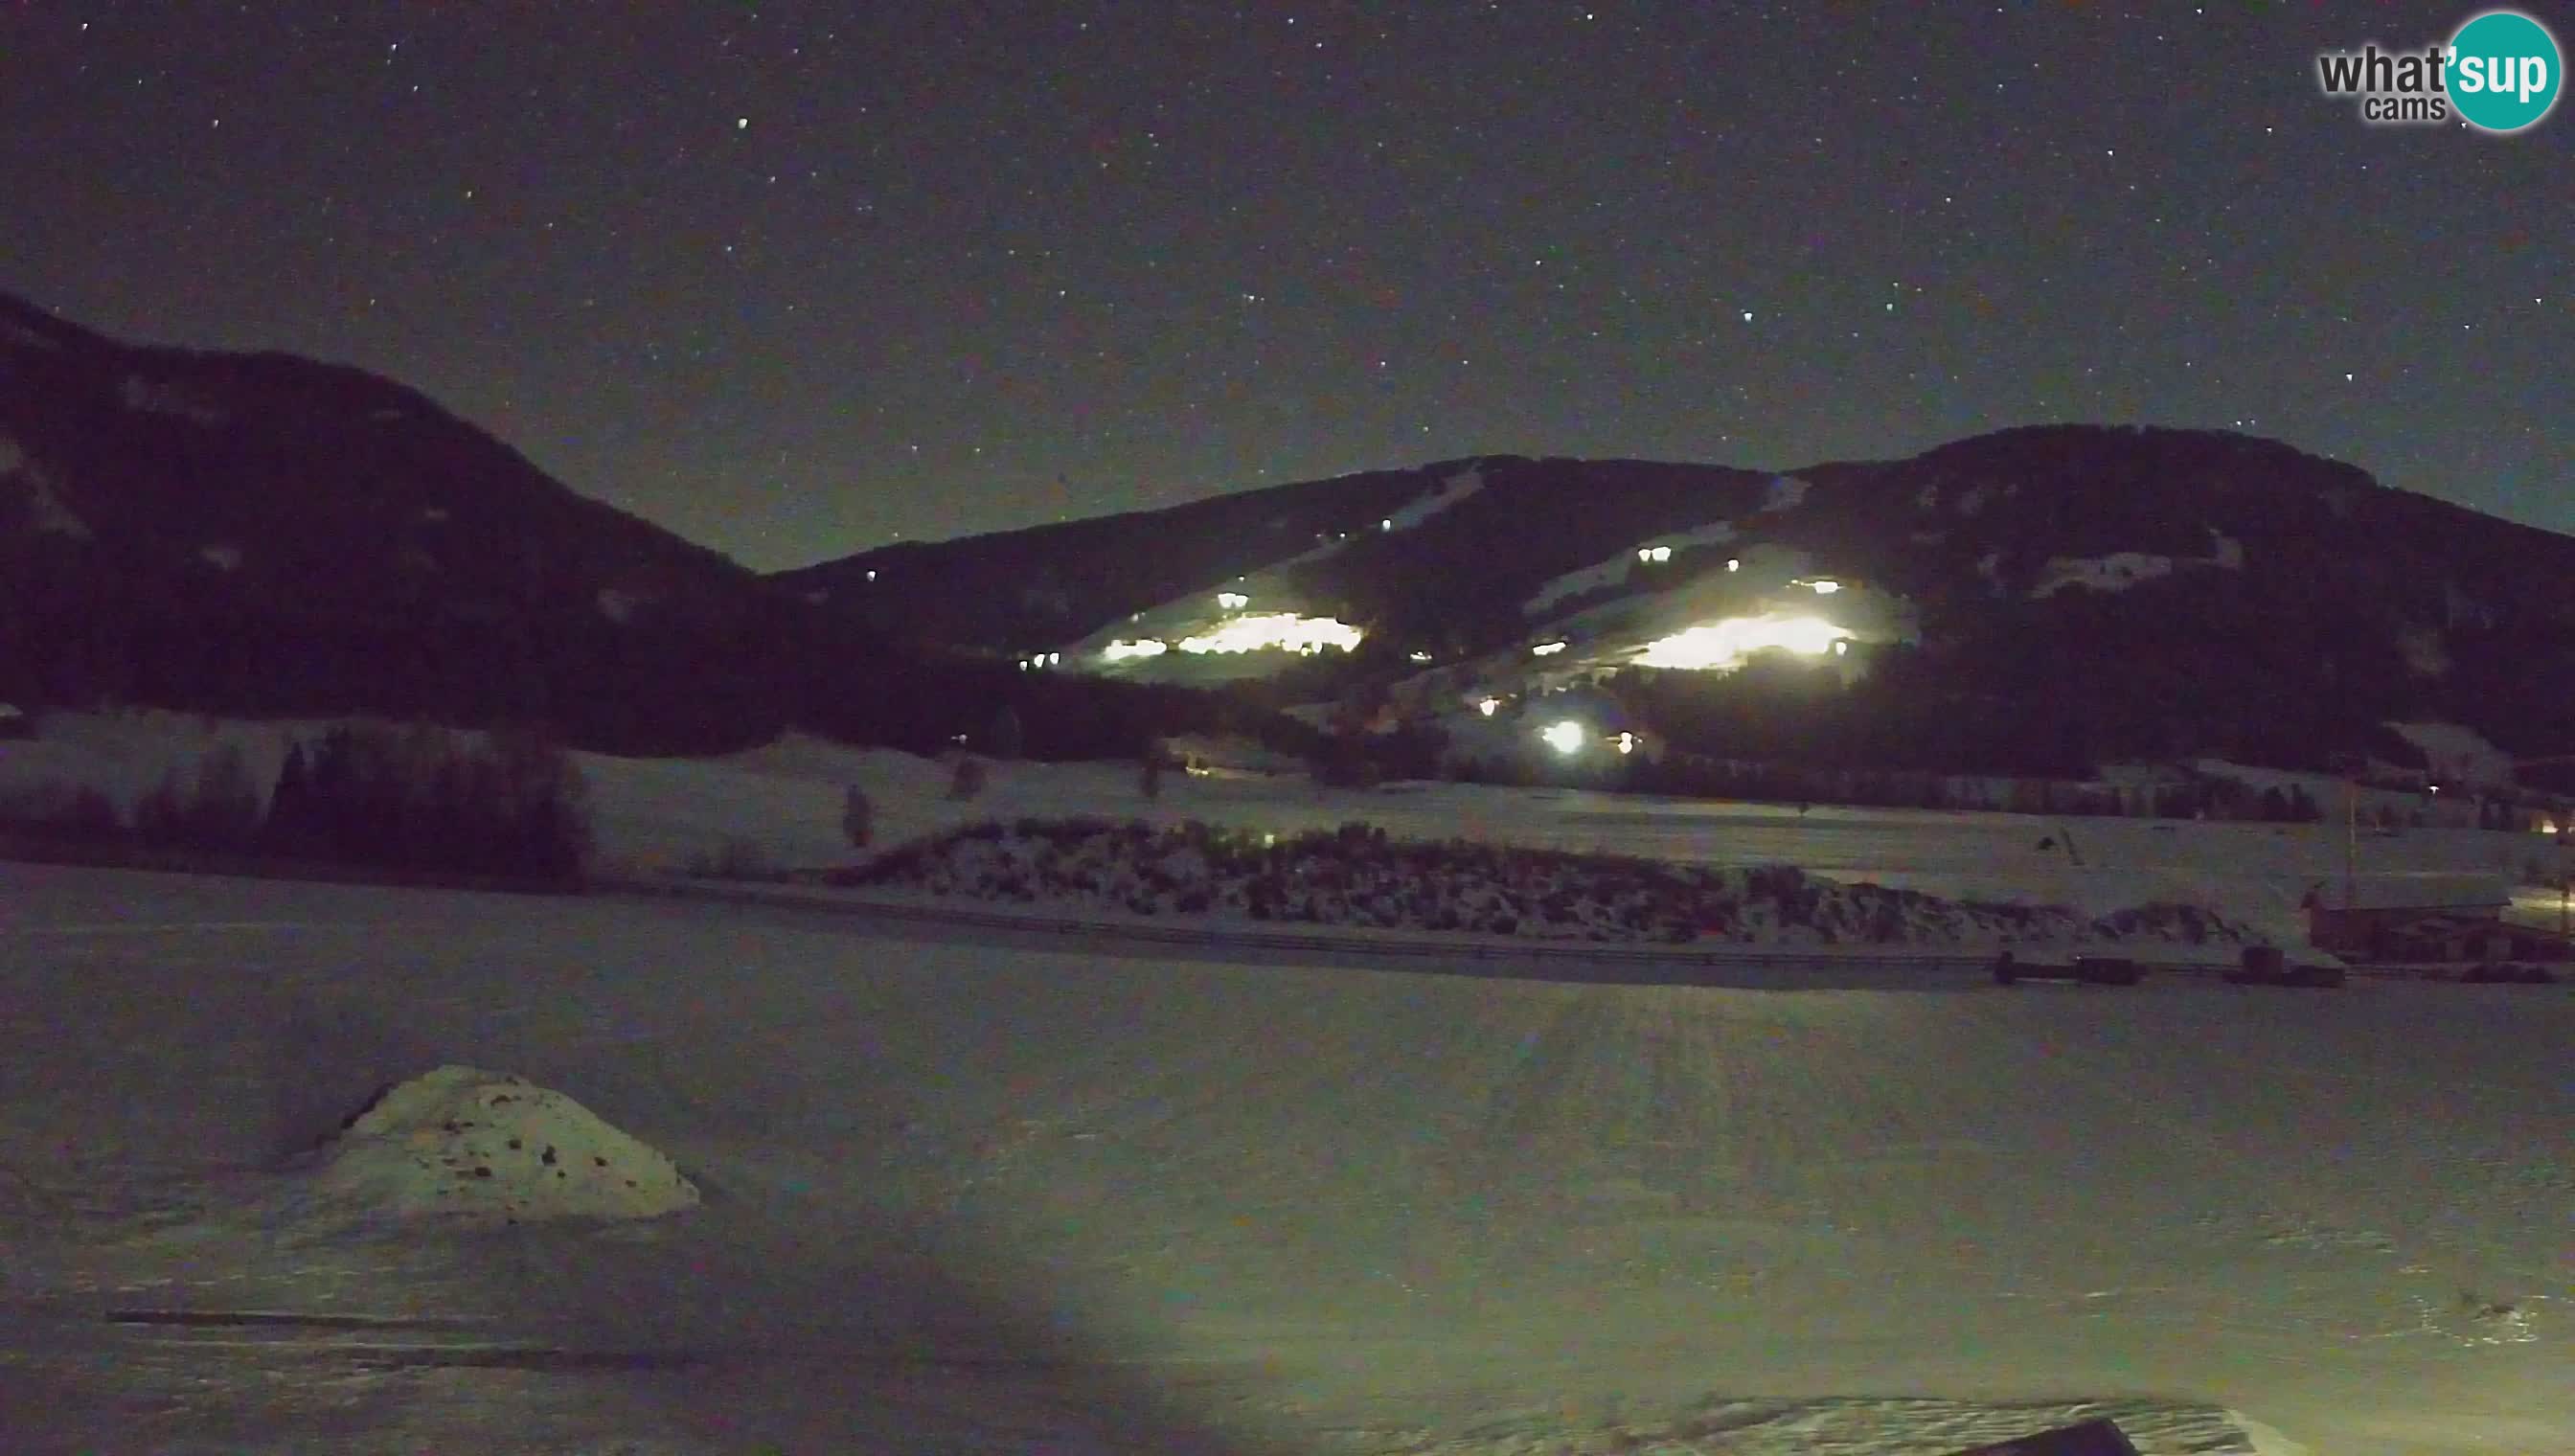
(1564, 738)
(1734, 565)
(1118, 651)
(1232, 600)
(1827, 587)
(1725, 645)
(1287, 630)
(1546, 650)
(1490, 706)
(1421, 657)
(1627, 743)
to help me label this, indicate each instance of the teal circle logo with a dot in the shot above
(2504, 70)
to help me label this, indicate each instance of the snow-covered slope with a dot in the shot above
(1614, 571)
(2459, 757)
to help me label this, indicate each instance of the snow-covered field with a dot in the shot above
(787, 797)
(658, 816)
(969, 1197)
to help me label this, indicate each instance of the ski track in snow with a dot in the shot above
(962, 1195)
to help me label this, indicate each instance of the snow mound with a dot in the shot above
(479, 1144)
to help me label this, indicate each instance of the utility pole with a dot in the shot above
(2350, 766)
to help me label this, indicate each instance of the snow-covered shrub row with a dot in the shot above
(1356, 876)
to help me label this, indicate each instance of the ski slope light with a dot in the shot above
(1252, 634)
(1420, 656)
(1734, 565)
(1118, 651)
(1490, 706)
(1546, 650)
(1826, 586)
(1232, 600)
(1725, 645)
(1566, 738)
(1627, 743)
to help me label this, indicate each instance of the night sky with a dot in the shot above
(797, 280)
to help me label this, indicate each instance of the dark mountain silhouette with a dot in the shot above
(265, 535)
(259, 534)
(2076, 593)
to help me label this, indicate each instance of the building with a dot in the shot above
(2416, 918)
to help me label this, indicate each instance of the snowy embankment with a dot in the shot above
(1357, 876)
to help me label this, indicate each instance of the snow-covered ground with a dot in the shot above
(969, 1197)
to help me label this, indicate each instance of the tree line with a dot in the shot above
(510, 806)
